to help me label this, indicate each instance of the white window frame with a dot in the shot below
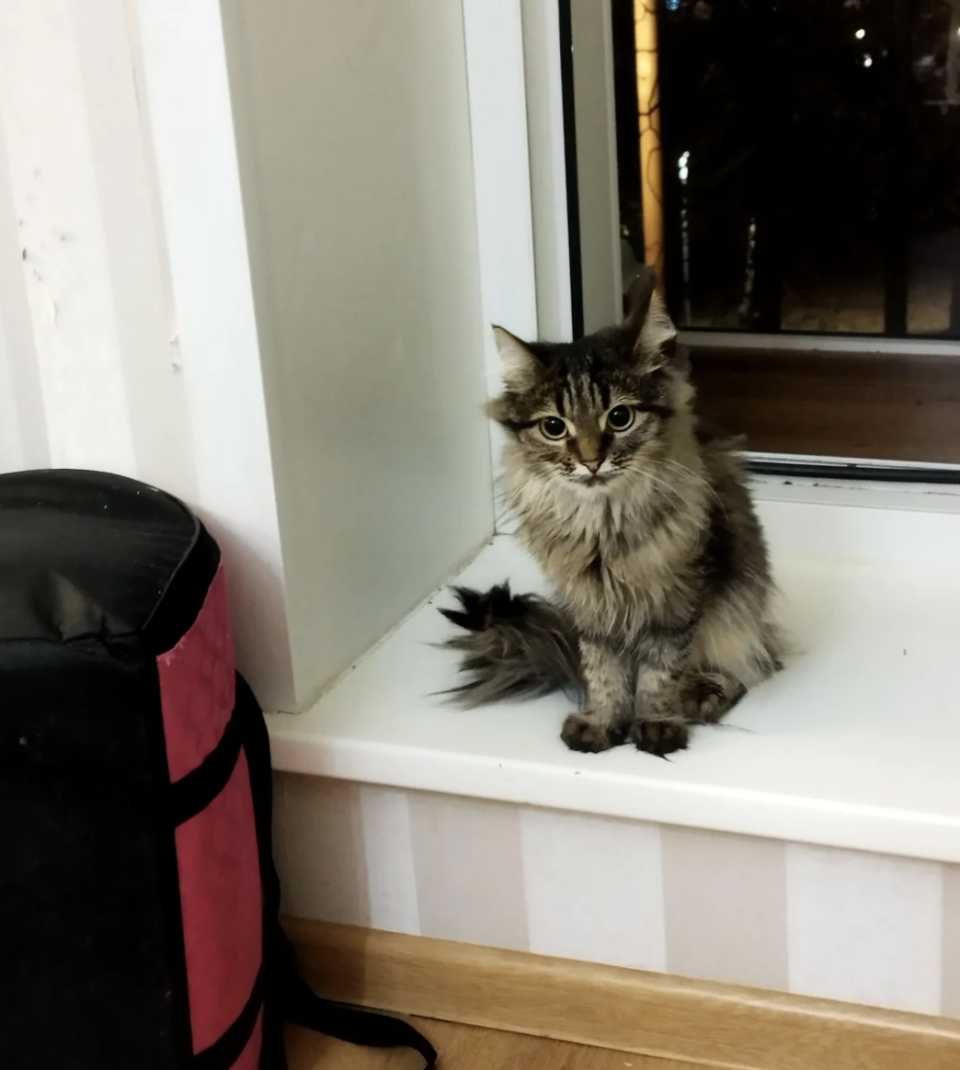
(528, 173)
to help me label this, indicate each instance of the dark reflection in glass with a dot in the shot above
(811, 164)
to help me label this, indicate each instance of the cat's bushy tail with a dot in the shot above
(514, 646)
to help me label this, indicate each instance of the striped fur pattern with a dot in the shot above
(643, 523)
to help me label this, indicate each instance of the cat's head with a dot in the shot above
(592, 411)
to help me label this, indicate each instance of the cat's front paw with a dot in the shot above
(585, 732)
(661, 737)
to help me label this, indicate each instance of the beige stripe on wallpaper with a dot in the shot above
(469, 870)
(726, 907)
(951, 942)
(736, 909)
(319, 848)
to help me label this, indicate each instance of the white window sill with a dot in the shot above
(855, 745)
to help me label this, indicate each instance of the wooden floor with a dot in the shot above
(464, 1047)
(868, 405)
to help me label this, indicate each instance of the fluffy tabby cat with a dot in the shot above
(642, 522)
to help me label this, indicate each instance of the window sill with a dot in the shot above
(855, 745)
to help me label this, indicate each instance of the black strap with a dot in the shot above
(224, 1052)
(305, 1008)
(194, 792)
(287, 997)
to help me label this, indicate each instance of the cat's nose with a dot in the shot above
(592, 464)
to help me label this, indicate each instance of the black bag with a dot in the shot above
(139, 903)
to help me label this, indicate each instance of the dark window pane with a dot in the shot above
(810, 155)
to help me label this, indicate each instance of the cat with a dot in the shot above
(641, 519)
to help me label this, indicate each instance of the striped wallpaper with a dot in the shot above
(809, 920)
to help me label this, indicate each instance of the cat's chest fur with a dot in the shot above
(612, 560)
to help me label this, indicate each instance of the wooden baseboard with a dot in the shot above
(628, 1010)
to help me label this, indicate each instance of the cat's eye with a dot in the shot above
(553, 427)
(620, 418)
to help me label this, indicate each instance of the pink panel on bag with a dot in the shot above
(220, 897)
(250, 1059)
(197, 684)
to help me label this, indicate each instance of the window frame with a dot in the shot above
(553, 142)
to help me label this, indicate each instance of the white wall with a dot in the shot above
(24, 441)
(87, 331)
(353, 135)
(95, 370)
(188, 123)
(59, 313)
(267, 301)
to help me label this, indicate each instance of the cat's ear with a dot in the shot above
(649, 329)
(521, 368)
(639, 298)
